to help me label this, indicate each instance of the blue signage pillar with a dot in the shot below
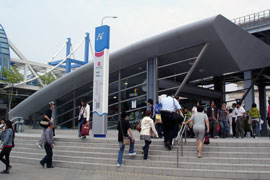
(101, 81)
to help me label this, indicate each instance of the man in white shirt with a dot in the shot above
(169, 105)
(240, 113)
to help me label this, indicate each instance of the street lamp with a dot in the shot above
(107, 17)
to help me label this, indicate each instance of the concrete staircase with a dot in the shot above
(223, 158)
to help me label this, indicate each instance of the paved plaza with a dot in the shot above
(31, 172)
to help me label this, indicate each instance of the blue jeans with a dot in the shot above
(223, 128)
(83, 121)
(122, 149)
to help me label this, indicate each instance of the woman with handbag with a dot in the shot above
(6, 148)
(125, 137)
(84, 116)
(147, 124)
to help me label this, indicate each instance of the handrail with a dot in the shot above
(252, 19)
(16, 121)
(179, 138)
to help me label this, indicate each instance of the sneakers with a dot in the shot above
(38, 146)
(119, 165)
(132, 154)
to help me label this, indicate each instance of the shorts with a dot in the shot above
(199, 133)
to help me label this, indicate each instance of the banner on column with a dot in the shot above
(101, 81)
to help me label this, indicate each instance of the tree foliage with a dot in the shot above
(10, 76)
(47, 78)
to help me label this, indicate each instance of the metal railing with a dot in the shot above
(179, 139)
(253, 20)
(18, 122)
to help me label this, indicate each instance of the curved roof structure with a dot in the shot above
(230, 49)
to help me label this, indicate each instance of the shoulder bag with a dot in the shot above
(138, 127)
(126, 140)
(44, 123)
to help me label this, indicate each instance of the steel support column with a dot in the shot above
(249, 99)
(193, 67)
(262, 100)
(68, 62)
(152, 79)
(219, 86)
(86, 51)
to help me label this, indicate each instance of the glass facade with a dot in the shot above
(4, 50)
(127, 92)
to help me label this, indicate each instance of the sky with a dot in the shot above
(38, 28)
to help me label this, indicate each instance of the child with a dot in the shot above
(147, 124)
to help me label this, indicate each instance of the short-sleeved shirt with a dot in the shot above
(240, 111)
(222, 115)
(199, 119)
(48, 113)
(170, 104)
(234, 113)
(125, 126)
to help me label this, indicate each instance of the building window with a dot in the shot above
(66, 98)
(133, 70)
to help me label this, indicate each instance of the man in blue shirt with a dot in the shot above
(169, 105)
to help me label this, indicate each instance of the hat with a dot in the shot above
(51, 103)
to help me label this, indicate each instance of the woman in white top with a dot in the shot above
(84, 116)
(147, 124)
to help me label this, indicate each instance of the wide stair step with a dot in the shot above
(226, 158)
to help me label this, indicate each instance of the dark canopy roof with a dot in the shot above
(231, 49)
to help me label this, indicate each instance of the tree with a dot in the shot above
(47, 78)
(11, 76)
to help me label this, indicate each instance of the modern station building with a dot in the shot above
(4, 63)
(196, 62)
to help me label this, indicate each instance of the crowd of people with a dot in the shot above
(161, 120)
(166, 117)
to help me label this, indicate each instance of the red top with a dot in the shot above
(268, 111)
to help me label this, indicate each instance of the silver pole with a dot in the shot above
(185, 136)
(177, 155)
(182, 153)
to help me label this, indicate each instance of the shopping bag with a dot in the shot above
(217, 128)
(158, 119)
(206, 139)
(85, 130)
